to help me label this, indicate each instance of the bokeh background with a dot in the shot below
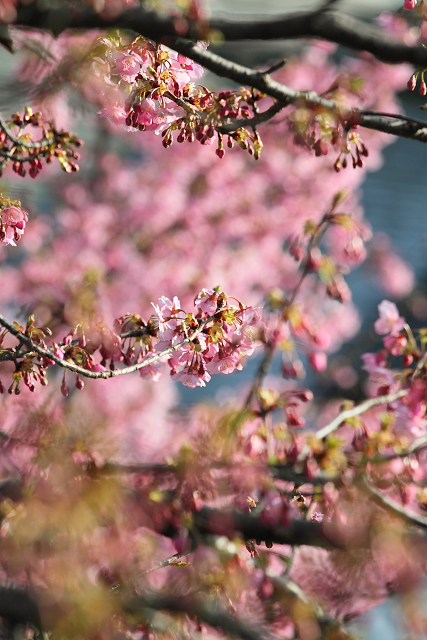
(394, 199)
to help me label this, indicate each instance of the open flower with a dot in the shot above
(128, 65)
(12, 224)
(389, 321)
(114, 114)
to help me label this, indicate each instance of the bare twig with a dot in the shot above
(358, 410)
(164, 563)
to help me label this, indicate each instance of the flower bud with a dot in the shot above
(65, 390)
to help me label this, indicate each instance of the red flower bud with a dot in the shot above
(412, 82)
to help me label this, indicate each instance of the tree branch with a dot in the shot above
(358, 410)
(392, 506)
(65, 364)
(211, 613)
(331, 25)
(321, 23)
(393, 124)
(250, 526)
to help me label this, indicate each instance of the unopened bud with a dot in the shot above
(65, 390)
(407, 360)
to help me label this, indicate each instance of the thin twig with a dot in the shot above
(274, 67)
(22, 143)
(270, 347)
(420, 365)
(164, 563)
(259, 118)
(358, 410)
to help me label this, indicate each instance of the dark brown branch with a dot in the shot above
(17, 607)
(259, 118)
(334, 26)
(393, 124)
(330, 25)
(285, 472)
(250, 526)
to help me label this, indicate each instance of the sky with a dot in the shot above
(254, 7)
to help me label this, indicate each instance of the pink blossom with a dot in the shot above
(146, 112)
(246, 346)
(316, 516)
(128, 65)
(410, 4)
(194, 70)
(318, 361)
(375, 364)
(150, 372)
(395, 344)
(389, 320)
(9, 237)
(114, 114)
(98, 367)
(207, 301)
(228, 364)
(14, 217)
(163, 117)
(191, 380)
(12, 224)
(169, 313)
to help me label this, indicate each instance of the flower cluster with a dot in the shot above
(18, 147)
(297, 326)
(409, 413)
(229, 333)
(393, 327)
(151, 88)
(322, 130)
(212, 340)
(12, 221)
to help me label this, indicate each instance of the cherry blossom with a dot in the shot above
(12, 224)
(114, 114)
(389, 321)
(127, 65)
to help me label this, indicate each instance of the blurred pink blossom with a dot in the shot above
(389, 321)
